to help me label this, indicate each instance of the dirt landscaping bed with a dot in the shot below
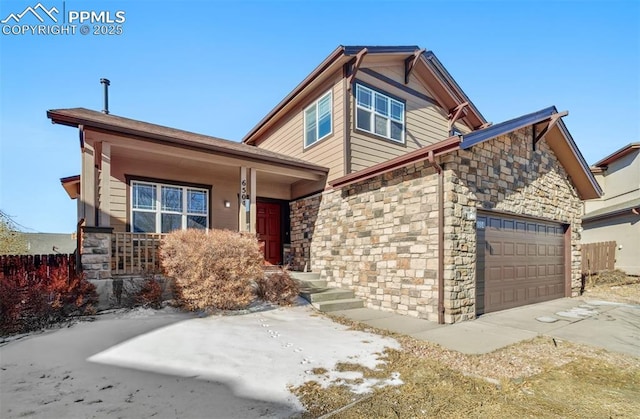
(542, 377)
(613, 286)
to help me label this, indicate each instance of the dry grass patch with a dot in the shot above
(584, 387)
(536, 378)
(613, 286)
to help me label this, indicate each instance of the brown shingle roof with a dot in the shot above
(88, 118)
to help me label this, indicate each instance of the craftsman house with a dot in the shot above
(376, 171)
(616, 216)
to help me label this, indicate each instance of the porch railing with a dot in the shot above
(135, 253)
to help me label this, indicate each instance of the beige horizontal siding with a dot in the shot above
(425, 122)
(118, 203)
(287, 137)
(224, 187)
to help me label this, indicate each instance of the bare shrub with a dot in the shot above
(150, 294)
(212, 270)
(32, 298)
(277, 287)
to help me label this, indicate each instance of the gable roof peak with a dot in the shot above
(379, 49)
(342, 55)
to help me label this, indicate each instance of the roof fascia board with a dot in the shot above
(404, 49)
(476, 137)
(617, 155)
(579, 157)
(614, 213)
(441, 72)
(324, 65)
(71, 185)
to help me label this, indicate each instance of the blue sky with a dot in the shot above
(218, 67)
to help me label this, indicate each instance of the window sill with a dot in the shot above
(381, 138)
(323, 139)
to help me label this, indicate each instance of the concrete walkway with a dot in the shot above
(612, 326)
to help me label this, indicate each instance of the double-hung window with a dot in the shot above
(317, 120)
(379, 114)
(161, 208)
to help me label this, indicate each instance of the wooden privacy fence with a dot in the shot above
(11, 265)
(135, 253)
(598, 257)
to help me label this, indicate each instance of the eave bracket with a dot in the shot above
(455, 114)
(355, 67)
(553, 120)
(410, 62)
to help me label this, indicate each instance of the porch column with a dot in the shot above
(87, 186)
(243, 196)
(104, 189)
(95, 251)
(252, 206)
(247, 197)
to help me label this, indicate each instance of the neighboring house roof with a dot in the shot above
(84, 117)
(566, 151)
(50, 243)
(618, 154)
(343, 55)
(632, 206)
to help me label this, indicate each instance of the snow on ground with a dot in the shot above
(259, 354)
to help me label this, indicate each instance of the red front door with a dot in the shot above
(269, 231)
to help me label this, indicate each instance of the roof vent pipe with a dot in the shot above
(106, 84)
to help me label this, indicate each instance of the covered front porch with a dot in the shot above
(140, 181)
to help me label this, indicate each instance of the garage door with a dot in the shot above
(519, 261)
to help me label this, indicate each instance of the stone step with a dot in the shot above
(314, 284)
(335, 305)
(305, 276)
(330, 294)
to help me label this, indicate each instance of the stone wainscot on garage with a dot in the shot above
(496, 211)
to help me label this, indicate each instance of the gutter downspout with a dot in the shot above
(440, 193)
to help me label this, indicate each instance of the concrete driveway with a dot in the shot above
(612, 326)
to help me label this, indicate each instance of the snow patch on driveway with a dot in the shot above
(577, 313)
(259, 355)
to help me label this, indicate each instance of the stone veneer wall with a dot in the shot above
(303, 213)
(96, 252)
(504, 174)
(379, 237)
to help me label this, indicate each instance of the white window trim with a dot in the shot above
(373, 112)
(158, 211)
(304, 122)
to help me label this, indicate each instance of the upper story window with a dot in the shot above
(317, 120)
(160, 208)
(379, 114)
